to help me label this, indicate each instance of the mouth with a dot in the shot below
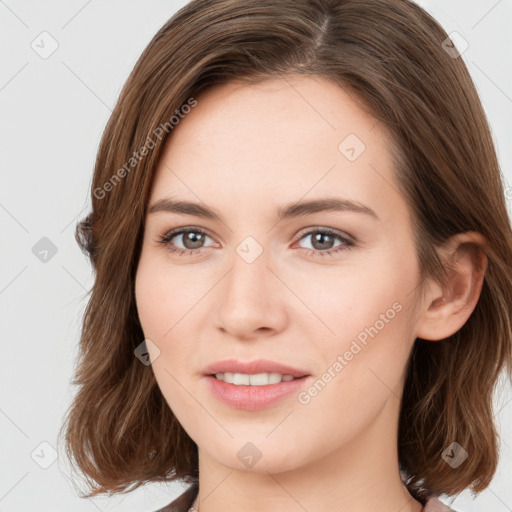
(254, 392)
(257, 372)
(253, 385)
(254, 379)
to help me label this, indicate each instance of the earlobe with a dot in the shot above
(447, 307)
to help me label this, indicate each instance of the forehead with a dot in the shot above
(297, 112)
(274, 142)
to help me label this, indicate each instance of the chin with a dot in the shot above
(262, 457)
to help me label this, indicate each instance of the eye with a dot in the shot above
(323, 238)
(192, 239)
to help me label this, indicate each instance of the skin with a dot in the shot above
(244, 151)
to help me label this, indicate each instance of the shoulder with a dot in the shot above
(183, 502)
(434, 504)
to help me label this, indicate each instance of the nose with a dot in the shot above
(251, 300)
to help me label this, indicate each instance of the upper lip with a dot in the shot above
(252, 367)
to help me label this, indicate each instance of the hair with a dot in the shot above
(390, 55)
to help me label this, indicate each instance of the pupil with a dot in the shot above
(193, 240)
(319, 237)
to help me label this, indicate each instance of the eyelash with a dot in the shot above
(166, 239)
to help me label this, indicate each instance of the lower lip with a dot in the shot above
(253, 398)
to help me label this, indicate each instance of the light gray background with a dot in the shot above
(53, 113)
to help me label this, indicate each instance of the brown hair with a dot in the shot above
(390, 55)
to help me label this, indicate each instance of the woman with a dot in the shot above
(224, 343)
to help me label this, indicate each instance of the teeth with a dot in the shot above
(258, 379)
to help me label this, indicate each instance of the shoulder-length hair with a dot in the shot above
(398, 61)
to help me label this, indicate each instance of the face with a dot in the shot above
(300, 251)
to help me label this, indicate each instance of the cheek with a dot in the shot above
(154, 310)
(163, 296)
(365, 349)
(345, 300)
(160, 308)
(147, 295)
(363, 368)
(168, 301)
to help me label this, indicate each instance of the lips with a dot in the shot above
(253, 367)
(254, 398)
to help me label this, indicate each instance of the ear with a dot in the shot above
(447, 308)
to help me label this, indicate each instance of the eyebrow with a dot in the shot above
(288, 211)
